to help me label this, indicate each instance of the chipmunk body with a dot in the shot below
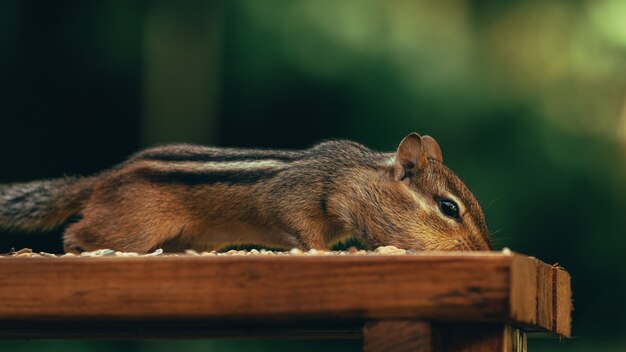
(183, 196)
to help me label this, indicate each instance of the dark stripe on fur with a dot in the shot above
(208, 154)
(200, 178)
(215, 158)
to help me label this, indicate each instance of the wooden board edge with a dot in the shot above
(562, 302)
(398, 336)
(545, 296)
(523, 294)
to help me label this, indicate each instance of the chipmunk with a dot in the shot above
(182, 196)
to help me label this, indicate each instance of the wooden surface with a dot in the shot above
(422, 336)
(291, 293)
(490, 337)
(562, 300)
(397, 336)
(554, 302)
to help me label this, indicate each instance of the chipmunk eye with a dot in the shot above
(449, 208)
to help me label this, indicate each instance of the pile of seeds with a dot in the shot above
(387, 250)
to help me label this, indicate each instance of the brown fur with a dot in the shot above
(180, 197)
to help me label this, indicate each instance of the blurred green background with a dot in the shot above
(526, 99)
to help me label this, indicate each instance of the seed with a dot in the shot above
(295, 251)
(393, 250)
(22, 251)
(28, 254)
(126, 254)
(159, 251)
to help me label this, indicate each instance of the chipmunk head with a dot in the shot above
(447, 216)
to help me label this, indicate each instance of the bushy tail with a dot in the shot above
(42, 205)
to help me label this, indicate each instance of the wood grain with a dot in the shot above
(524, 289)
(411, 335)
(397, 336)
(545, 296)
(263, 290)
(467, 337)
(554, 299)
(562, 302)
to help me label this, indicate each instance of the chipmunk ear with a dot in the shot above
(432, 148)
(410, 157)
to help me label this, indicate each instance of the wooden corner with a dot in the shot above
(523, 298)
(562, 302)
(545, 296)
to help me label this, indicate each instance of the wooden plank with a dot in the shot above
(265, 290)
(523, 289)
(554, 299)
(176, 328)
(397, 336)
(545, 296)
(470, 337)
(249, 287)
(562, 302)
(411, 335)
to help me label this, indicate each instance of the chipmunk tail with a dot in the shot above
(42, 205)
